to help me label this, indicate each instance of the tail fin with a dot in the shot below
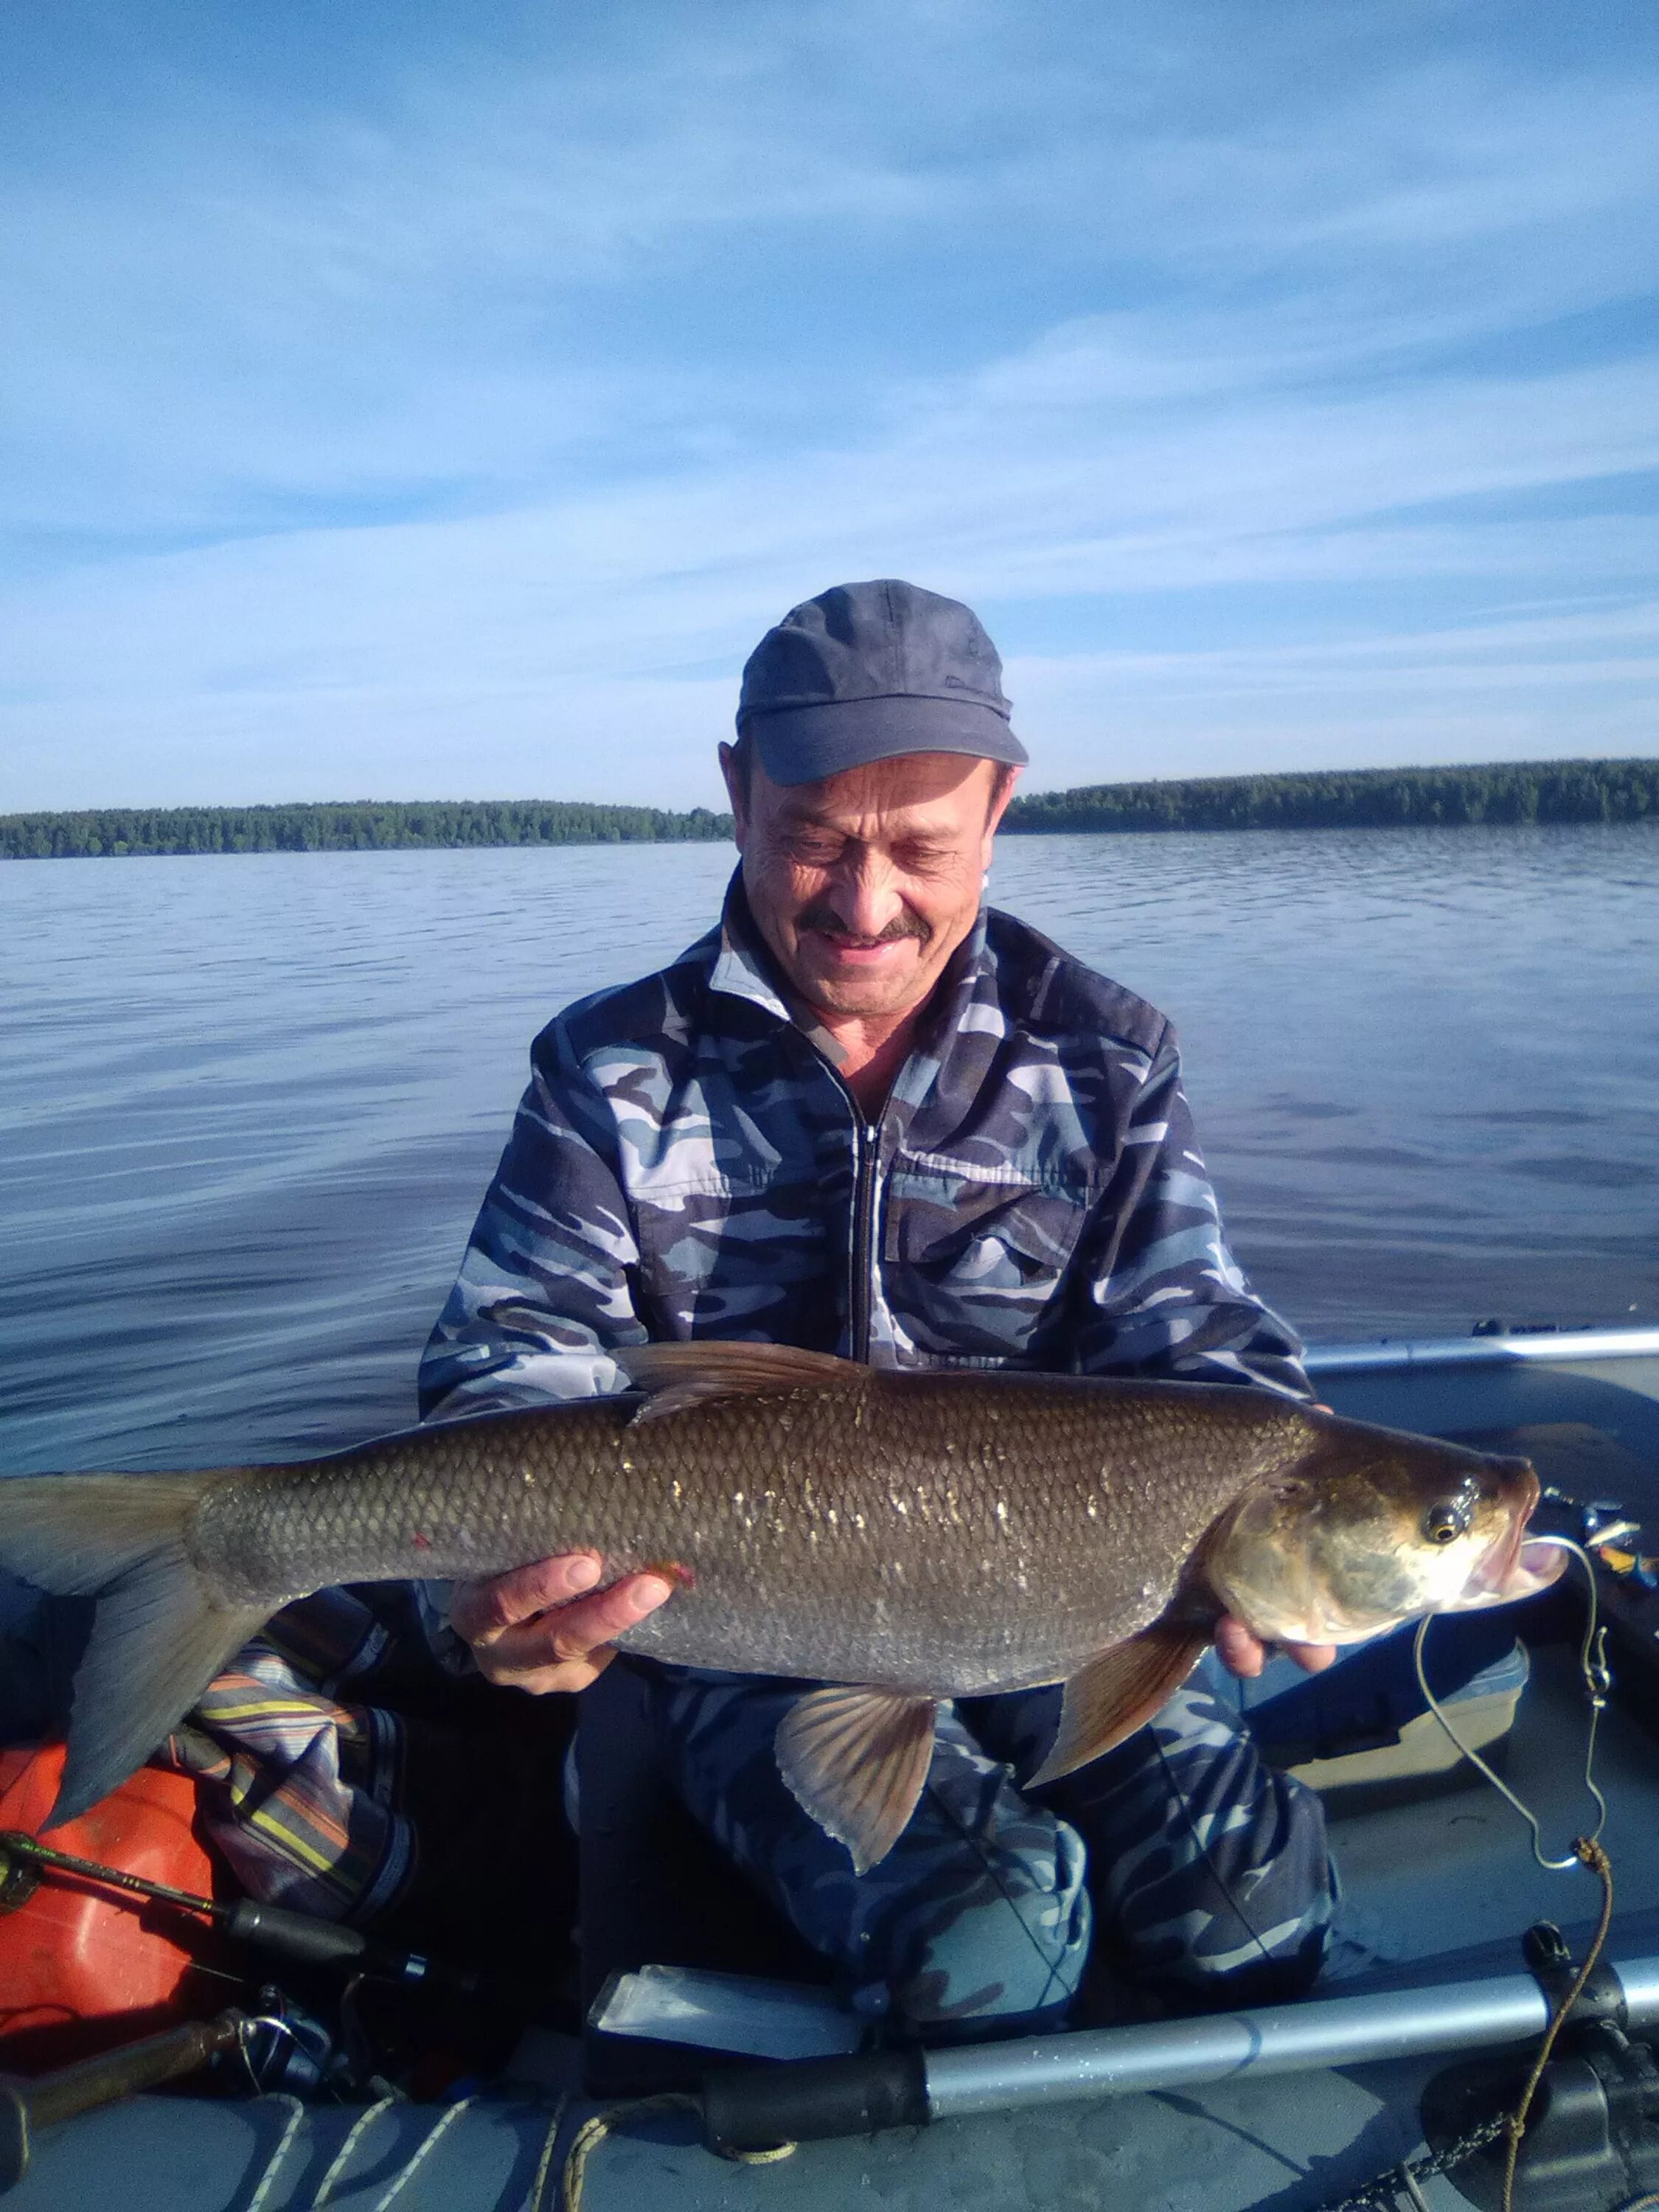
(158, 1638)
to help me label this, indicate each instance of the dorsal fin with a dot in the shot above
(676, 1375)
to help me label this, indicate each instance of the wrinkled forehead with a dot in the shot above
(941, 795)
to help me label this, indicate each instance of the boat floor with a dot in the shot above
(1449, 1875)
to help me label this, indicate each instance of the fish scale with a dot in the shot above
(970, 1534)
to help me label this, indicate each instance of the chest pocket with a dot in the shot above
(974, 1268)
(720, 1257)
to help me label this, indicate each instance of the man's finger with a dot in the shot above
(1242, 1653)
(578, 1629)
(564, 1648)
(1245, 1654)
(481, 1611)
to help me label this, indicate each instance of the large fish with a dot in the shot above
(911, 1536)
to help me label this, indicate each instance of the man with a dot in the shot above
(866, 1115)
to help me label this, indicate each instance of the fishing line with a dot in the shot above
(595, 2130)
(1598, 1681)
(1215, 1873)
(972, 1837)
(278, 2027)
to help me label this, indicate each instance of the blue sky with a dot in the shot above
(417, 400)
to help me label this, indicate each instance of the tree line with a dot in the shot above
(1526, 791)
(364, 826)
(1370, 799)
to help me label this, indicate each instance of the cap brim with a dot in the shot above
(804, 745)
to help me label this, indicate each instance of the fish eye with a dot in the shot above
(1446, 1520)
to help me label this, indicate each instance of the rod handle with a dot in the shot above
(49, 2099)
(750, 2108)
(294, 1935)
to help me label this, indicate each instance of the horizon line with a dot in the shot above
(643, 806)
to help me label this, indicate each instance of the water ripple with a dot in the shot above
(247, 1107)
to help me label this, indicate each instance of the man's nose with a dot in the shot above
(865, 896)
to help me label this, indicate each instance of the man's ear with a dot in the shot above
(1001, 792)
(736, 791)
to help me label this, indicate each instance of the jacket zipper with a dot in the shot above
(867, 1153)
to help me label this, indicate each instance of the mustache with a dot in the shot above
(828, 923)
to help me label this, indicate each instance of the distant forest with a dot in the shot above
(358, 826)
(1369, 799)
(1378, 799)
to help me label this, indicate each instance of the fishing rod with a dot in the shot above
(26, 2106)
(299, 1937)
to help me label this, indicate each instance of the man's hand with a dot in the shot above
(534, 1630)
(1245, 1654)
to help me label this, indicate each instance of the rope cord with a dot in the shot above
(538, 2197)
(342, 2158)
(1589, 1852)
(593, 2132)
(423, 2151)
(278, 2158)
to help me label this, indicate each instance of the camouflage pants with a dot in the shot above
(1208, 1877)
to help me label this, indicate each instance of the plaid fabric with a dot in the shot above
(305, 1766)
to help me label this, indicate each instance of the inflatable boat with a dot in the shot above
(700, 2063)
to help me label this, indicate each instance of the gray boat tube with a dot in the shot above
(756, 2107)
(1548, 1348)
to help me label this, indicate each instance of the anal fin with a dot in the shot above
(856, 1761)
(1119, 1692)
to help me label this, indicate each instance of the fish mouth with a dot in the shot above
(1517, 1566)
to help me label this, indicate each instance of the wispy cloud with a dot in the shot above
(408, 415)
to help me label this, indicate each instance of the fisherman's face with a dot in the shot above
(865, 884)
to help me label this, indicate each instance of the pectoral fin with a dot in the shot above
(856, 1761)
(1119, 1692)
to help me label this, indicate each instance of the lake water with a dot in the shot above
(248, 1105)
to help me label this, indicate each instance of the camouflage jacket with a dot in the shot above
(687, 1163)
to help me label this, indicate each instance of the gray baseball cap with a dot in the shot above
(867, 671)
